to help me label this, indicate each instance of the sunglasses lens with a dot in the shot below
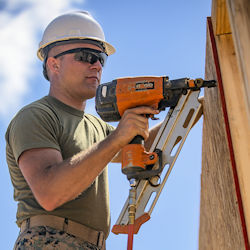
(86, 55)
(90, 57)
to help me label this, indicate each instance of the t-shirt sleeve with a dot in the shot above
(33, 128)
(100, 124)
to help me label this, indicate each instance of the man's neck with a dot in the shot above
(80, 105)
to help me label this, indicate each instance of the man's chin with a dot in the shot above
(90, 95)
(93, 81)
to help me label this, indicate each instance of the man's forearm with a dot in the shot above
(64, 181)
(55, 181)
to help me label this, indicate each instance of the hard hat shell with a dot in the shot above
(75, 25)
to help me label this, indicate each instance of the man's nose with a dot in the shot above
(97, 65)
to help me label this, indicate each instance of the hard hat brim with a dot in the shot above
(109, 49)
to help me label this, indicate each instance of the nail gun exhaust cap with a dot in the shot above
(73, 26)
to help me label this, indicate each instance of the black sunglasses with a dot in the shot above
(86, 55)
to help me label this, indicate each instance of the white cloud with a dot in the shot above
(20, 21)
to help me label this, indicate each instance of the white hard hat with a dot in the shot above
(73, 26)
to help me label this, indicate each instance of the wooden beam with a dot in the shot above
(234, 57)
(220, 18)
(239, 15)
(238, 119)
(221, 224)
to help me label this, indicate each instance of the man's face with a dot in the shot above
(76, 79)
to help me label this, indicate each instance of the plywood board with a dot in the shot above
(220, 225)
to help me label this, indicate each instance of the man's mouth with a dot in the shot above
(93, 77)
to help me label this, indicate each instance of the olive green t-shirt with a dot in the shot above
(49, 123)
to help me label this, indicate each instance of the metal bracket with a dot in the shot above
(169, 140)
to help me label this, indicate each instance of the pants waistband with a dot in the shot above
(85, 233)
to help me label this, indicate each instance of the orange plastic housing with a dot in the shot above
(145, 91)
(135, 158)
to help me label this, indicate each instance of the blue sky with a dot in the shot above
(159, 37)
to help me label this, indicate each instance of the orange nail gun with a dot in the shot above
(113, 98)
(145, 169)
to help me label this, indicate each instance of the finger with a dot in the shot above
(133, 124)
(144, 133)
(139, 128)
(133, 120)
(136, 117)
(142, 110)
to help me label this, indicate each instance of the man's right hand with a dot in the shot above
(133, 123)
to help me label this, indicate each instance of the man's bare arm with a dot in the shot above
(55, 181)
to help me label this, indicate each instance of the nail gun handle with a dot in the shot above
(131, 156)
(135, 159)
(137, 140)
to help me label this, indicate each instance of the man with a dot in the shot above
(57, 154)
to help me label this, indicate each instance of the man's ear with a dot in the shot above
(53, 64)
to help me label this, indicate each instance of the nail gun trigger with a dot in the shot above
(152, 117)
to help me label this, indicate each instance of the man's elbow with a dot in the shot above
(48, 207)
(47, 203)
